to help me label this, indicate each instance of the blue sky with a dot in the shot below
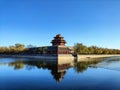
(36, 22)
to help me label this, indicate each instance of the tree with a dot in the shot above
(4, 50)
(19, 47)
(80, 48)
(12, 49)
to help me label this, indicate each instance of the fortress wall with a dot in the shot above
(65, 58)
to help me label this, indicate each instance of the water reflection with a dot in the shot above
(57, 68)
(34, 74)
(82, 66)
(112, 63)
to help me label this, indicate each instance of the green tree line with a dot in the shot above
(14, 49)
(21, 49)
(79, 48)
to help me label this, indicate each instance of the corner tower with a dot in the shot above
(58, 46)
(58, 41)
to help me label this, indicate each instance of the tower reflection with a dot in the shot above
(58, 68)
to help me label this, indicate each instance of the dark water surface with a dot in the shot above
(32, 74)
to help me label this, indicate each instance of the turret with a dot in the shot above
(58, 41)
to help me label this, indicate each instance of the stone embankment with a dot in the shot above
(88, 57)
(46, 56)
(61, 57)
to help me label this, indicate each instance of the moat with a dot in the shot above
(35, 74)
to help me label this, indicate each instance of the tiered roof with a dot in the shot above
(58, 40)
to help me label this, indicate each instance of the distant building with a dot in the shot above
(58, 46)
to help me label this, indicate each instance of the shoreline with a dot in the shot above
(47, 56)
(31, 56)
(61, 57)
(88, 57)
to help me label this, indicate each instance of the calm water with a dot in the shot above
(32, 74)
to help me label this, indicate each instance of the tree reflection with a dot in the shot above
(58, 70)
(17, 65)
(82, 66)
